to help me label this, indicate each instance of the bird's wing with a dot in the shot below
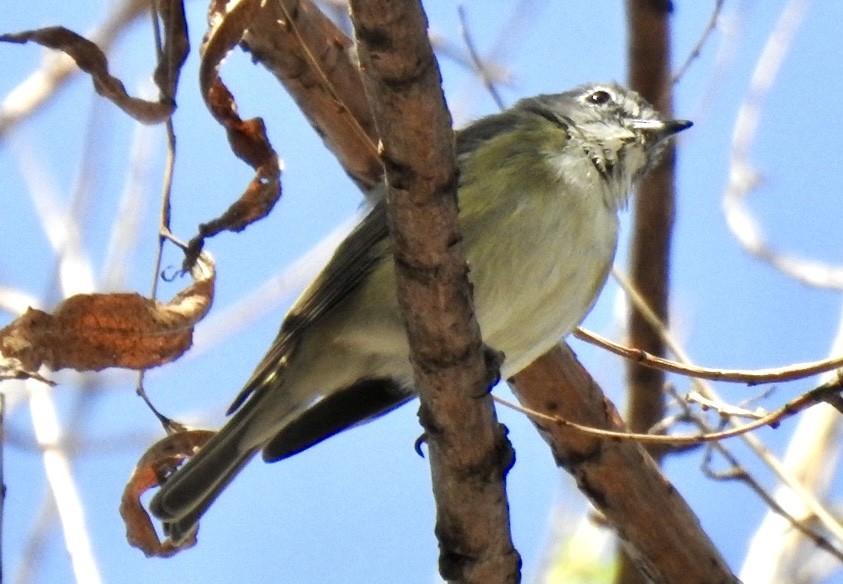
(353, 260)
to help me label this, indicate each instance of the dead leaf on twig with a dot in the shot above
(95, 331)
(247, 138)
(158, 462)
(93, 61)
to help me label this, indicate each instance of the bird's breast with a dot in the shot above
(541, 271)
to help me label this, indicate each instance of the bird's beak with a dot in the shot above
(661, 129)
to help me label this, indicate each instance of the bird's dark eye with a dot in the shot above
(599, 97)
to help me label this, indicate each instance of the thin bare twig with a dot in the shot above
(749, 376)
(743, 177)
(479, 66)
(125, 235)
(164, 232)
(62, 483)
(821, 394)
(828, 520)
(791, 522)
(33, 549)
(704, 36)
(812, 454)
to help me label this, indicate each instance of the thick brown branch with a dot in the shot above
(660, 532)
(469, 451)
(649, 262)
(649, 259)
(311, 57)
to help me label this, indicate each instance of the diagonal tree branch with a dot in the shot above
(659, 530)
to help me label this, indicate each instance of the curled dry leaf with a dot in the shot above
(95, 331)
(247, 138)
(154, 466)
(93, 61)
(11, 368)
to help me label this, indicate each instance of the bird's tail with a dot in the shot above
(190, 491)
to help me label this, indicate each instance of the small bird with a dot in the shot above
(540, 188)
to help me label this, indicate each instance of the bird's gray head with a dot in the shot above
(620, 133)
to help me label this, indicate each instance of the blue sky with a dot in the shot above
(358, 507)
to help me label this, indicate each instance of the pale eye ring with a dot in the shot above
(599, 97)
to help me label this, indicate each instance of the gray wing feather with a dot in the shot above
(353, 260)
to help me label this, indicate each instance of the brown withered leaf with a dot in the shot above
(154, 466)
(11, 368)
(93, 61)
(247, 138)
(95, 331)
